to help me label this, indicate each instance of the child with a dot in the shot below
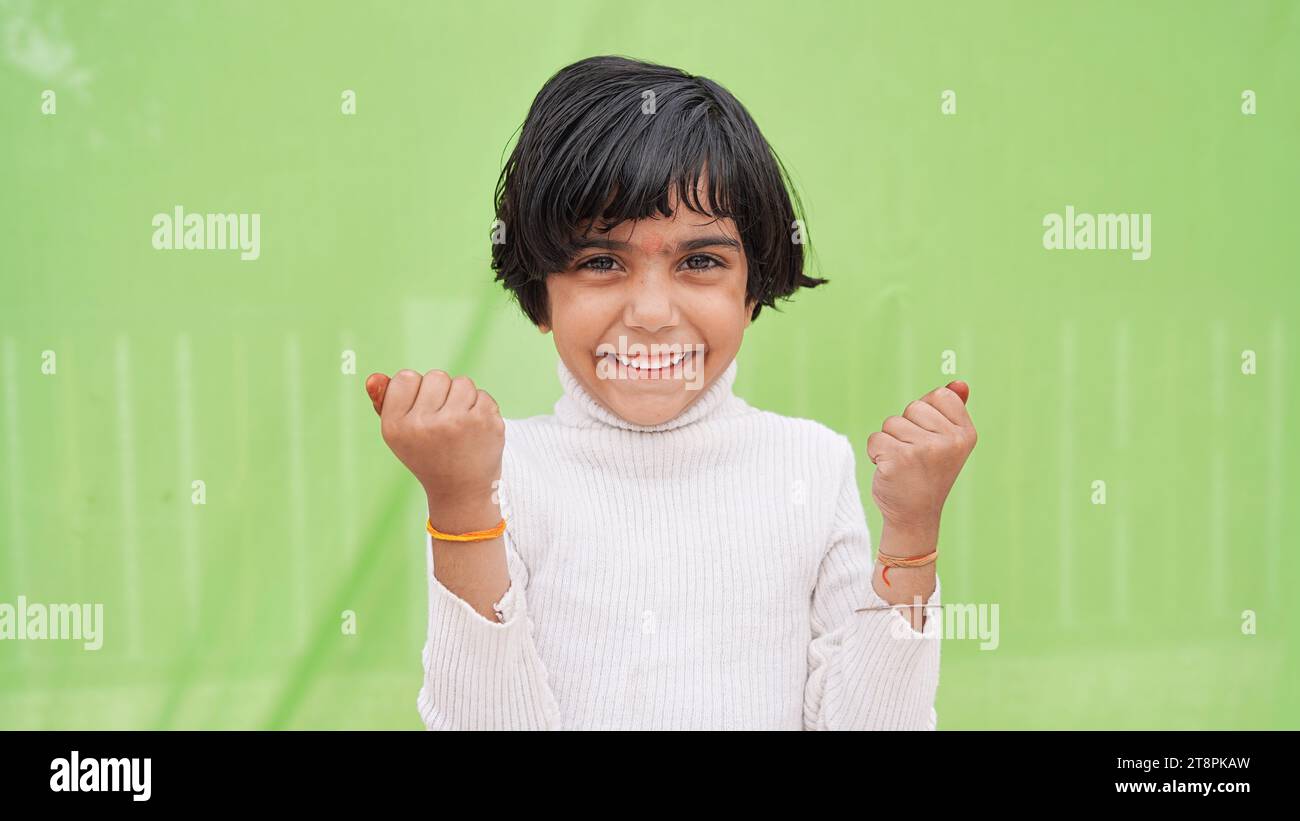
(661, 555)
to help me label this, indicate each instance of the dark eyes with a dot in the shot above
(598, 264)
(706, 260)
(695, 262)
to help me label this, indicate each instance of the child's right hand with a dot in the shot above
(446, 431)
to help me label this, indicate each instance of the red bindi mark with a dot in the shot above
(652, 245)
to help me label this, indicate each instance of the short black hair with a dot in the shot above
(592, 151)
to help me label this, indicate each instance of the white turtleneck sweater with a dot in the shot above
(701, 574)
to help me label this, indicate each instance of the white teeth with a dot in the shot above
(646, 364)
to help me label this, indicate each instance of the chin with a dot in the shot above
(647, 412)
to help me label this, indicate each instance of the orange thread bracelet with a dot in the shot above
(472, 536)
(897, 561)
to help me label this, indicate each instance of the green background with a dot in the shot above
(1084, 365)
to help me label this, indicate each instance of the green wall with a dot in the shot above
(176, 366)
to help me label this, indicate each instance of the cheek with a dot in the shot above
(576, 318)
(728, 303)
(738, 284)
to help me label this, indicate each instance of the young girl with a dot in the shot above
(658, 554)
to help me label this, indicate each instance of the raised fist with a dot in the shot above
(918, 456)
(446, 431)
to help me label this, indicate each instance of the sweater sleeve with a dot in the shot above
(481, 674)
(867, 670)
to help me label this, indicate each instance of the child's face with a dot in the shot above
(678, 281)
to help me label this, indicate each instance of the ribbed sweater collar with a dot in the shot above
(577, 407)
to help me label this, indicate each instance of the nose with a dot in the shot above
(651, 305)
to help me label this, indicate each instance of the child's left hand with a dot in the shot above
(918, 456)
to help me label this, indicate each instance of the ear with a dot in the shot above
(749, 311)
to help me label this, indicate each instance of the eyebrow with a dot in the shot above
(710, 241)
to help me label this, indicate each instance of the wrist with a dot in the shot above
(458, 494)
(463, 513)
(909, 540)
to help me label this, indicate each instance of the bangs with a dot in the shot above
(622, 164)
(639, 171)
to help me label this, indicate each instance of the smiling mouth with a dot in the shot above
(651, 367)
